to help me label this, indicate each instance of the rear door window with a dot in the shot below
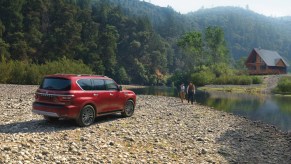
(85, 84)
(98, 84)
(59, 84)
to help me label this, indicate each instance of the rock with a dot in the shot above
(200, 139)
(203, 151)
(111, 143)
(7, 148)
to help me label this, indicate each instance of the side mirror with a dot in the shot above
(120, 88)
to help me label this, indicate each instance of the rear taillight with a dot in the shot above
(66, 99)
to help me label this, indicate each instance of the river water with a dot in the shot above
(270, 109)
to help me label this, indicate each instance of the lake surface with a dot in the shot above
(270, 109)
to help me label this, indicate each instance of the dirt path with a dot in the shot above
(271, 82)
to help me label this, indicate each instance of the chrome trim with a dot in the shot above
(45, 113)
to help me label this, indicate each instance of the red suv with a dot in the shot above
(81, 97)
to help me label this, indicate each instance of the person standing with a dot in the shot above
(191, 92)
(182, 92)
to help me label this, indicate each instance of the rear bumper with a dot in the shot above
(51, 114)
(52, 110)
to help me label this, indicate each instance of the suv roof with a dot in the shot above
(76, 75)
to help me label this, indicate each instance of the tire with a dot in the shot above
(86, 116)
(128, 109)
(51, 119)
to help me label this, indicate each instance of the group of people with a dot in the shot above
(190, 91)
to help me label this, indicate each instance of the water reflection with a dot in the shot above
(274, 110)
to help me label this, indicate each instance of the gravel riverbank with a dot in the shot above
(162, 130)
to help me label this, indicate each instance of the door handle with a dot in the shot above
(95, 94)
(111, 94)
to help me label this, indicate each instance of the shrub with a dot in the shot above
(23, 72)
(18, 71)
(244, 80)
(5, 70)
(284, 85)
(222, 69)
(177, 78)
(233, 80)
(257, 80)
(202, 78)
(67, 66)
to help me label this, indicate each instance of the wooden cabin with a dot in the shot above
(265, 62)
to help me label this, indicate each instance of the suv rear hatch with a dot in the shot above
(54, 90)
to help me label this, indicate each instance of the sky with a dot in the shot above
(274, 8)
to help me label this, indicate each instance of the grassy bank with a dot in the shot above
(132, 86)
(284, 86)
(252, 89)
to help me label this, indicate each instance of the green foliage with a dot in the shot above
(5, 69)
(122, 77)
(97, 32)
(177, 79)
(66, 66)
(209, 50)
(192, 44)
(216, 45)
(284, 85)
(240, 64)
(202, 78)
(140, 72)
(233, 80)
(109, 38)
(4, 48)
(221, 69)
(23, 72)
(257, 80)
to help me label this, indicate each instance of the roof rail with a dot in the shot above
(64, 74)
(79, 74)
(90, 75)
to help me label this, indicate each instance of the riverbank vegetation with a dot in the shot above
(284, 86)
(22, 72)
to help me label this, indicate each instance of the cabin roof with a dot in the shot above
(271, 58)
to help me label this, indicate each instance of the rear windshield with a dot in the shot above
(59, 84)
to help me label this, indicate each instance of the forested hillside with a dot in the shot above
(96, 32)
(243, 28)
(130, 40)
(165, 20)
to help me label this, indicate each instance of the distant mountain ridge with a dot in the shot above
(244, 29)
